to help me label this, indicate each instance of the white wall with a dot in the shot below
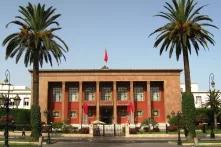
(200, 97)
(23, 92)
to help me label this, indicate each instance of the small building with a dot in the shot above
(200, 96)
(23, 92)
(114, 96)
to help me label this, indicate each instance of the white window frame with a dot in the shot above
(156, 112)
(155, 93)
(73, 114)
(139, 93)
(106, 93)
(56, 94)
(56, 114)
(139, 113)
(26, 100)
(89, 94)
(198, 100)
(73, 94)
(122, 93)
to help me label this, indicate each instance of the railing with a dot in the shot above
(109, 130)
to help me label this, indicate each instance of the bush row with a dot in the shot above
(20, 116)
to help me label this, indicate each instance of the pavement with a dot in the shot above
(85, 140)
(112, 144)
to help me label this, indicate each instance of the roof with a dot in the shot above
(107, 70)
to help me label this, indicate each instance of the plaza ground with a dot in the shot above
(97, 144)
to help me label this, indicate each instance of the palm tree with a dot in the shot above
(214, 103)
(185, 30)
(35, 40)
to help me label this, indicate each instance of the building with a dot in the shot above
(117, 96)
(23, 92)
(200, 96)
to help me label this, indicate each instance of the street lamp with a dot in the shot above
(4, 103)
(179, 115)
(212, 83)
(48, 126)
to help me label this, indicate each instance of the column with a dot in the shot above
(115, 102)
(64, 100)
(132, 100)
(97, 101)
(80, 99)
(148, 99)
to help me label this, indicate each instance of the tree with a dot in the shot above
(36, 41)
(184, 31)
(214, 103)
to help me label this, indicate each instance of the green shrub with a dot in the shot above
(20, 116)
(84, 130)
(57, 125)
(149, 122)
(203, 115)
(173, 121)
(189, 113)
(35, 122)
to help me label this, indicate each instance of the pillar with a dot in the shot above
(115, 102)
(80, 99)
(97, 101)
(64, 100)
(148, 99)
(132, 100)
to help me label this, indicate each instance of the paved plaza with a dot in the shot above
(97, 144)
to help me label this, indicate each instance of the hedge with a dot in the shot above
(20, 116)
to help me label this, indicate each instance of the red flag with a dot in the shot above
(85, 108)
(130, 107)
(105, 56)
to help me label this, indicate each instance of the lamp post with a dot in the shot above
(46, 113)
(4, 103)
(212, 84)
(211, 81)
(179, 141)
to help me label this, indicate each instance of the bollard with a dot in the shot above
(40, 141)
(23, 132)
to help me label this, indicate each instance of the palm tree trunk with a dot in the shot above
(215, 120)
(35, 82)
(186, 71)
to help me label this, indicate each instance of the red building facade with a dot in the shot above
(108, 95)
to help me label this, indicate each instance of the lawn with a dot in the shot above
(21, 145)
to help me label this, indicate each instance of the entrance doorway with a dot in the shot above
(106, 114)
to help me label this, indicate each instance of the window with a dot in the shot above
(55, 114)
(139, 113)
(90, 93)
(122, 112)
(26, 102)
(91, 112)
(56, 94)
(139, 93)
(155, 93)
(106, 93)
(73, 94)
(198, 100)
(73, 114)
(155, 113)
(122, 93)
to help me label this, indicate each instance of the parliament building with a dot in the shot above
(113, 96)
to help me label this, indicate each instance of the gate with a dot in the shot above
(108, 130)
